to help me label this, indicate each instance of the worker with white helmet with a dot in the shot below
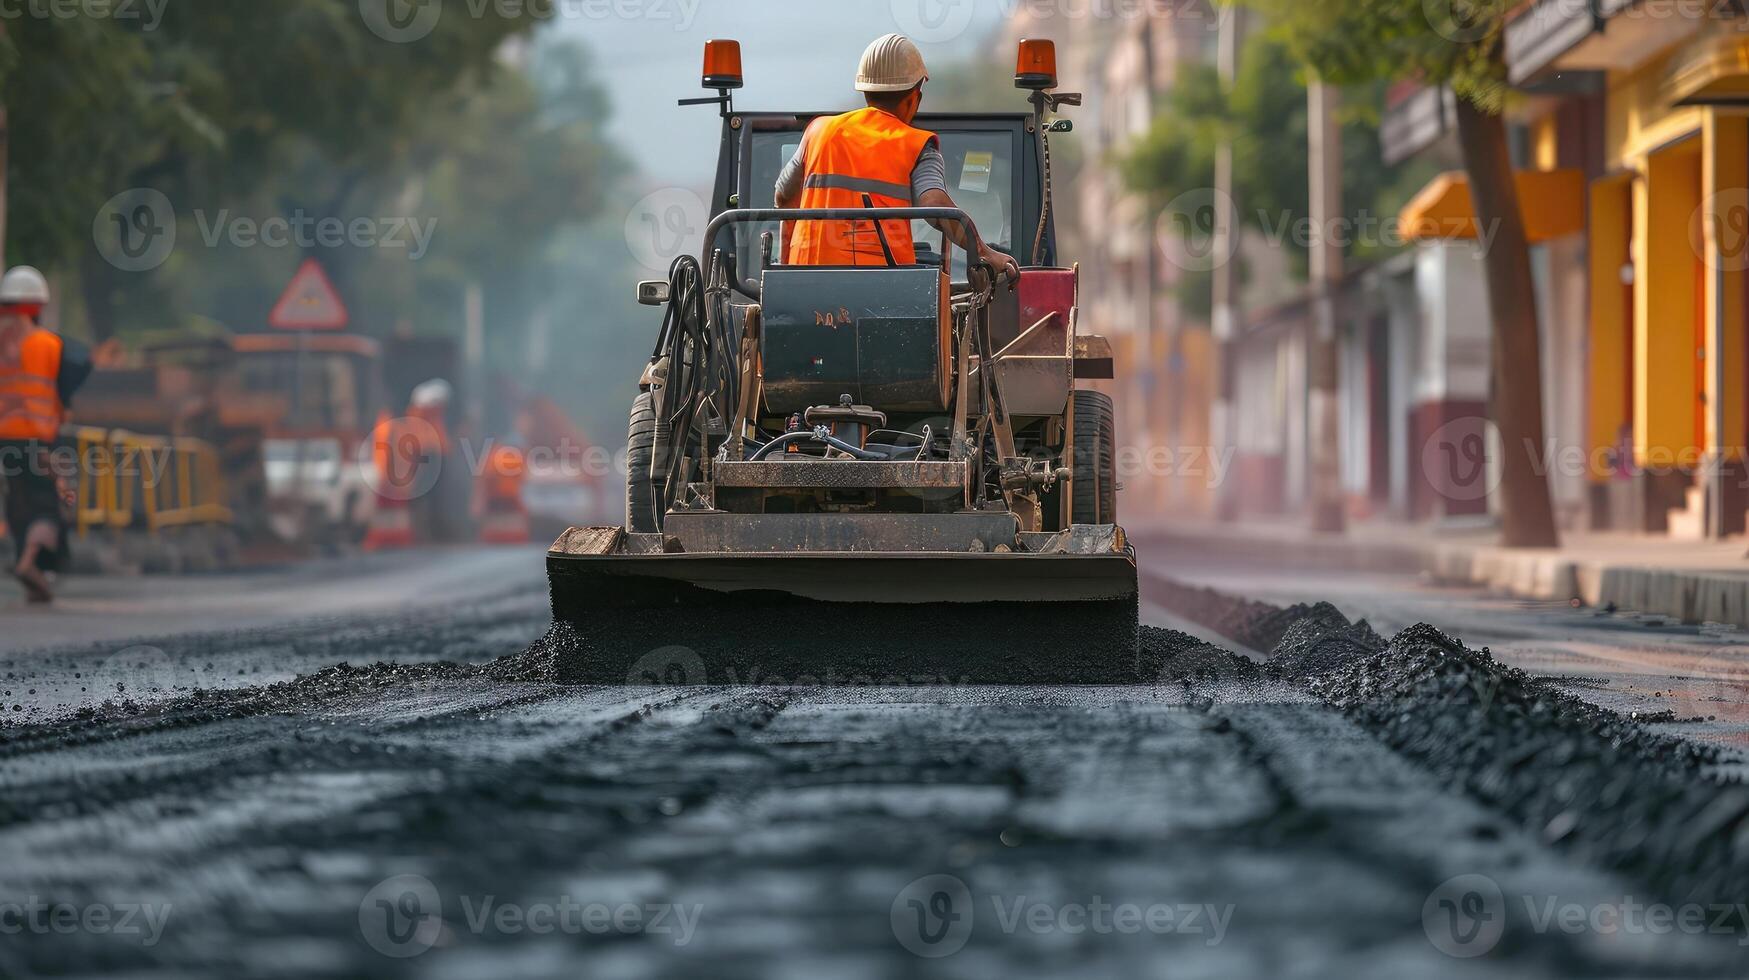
(872, 157)
(435, 508)
(39, 371)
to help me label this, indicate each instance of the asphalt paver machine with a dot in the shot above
(878, 472)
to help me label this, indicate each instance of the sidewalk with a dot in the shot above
(1695, 582)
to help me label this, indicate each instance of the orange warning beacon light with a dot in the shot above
(722, 64)
(1037, 66)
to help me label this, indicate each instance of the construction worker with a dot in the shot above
(395, 459)
(873, 157)
(499, 508)
(433, 506)
(39, 371)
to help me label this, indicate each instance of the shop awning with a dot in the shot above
(1553, 203)
(1712, 71)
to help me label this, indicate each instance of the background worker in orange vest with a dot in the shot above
(872, 156)
(440, 506)
(499, 508)
(39, 371)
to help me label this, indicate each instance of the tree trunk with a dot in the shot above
(1223, 318)
(5, 173)
(1527, 512)
(5, 164)
(1324, 433)
(97, 288)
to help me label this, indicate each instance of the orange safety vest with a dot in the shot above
(869, 153)
(396, 452)
(505, 471)
(30, 399)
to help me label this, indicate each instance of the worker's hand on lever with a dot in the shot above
(1002, 265)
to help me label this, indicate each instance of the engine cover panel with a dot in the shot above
(882, 336)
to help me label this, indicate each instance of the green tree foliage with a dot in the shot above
(1264, 117)
(1447, 42)
(219, 100)
(73, 95)
(214, 91)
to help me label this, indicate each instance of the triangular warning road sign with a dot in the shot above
(309, 303)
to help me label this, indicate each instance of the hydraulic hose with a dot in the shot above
(698, 340)
(819, 434)
(787, 439)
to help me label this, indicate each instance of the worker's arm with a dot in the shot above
(76, 367)
(789, 180)
(1002, 262)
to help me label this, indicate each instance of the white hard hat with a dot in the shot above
(23, 285)
(891, 64)
(432, 394)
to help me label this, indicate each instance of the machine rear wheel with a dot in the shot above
(640, 456)
(1095, 487)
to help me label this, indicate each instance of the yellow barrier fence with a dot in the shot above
(155, 482)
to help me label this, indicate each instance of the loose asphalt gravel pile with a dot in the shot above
(1577, 776)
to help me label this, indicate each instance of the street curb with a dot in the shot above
(1692, 596)
(1292, 552)
(1687, 595)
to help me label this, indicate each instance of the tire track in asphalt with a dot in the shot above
(332, 802)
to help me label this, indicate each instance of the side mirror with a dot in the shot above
(653, 292)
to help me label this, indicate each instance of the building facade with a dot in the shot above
(1655, 95)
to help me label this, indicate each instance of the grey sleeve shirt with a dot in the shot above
(930, 173)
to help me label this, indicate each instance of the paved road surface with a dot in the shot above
(105, 610)
(434, 821)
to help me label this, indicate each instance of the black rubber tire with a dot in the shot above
(640, 456)
(1095, 486)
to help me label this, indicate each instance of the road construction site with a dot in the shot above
(398, 786)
